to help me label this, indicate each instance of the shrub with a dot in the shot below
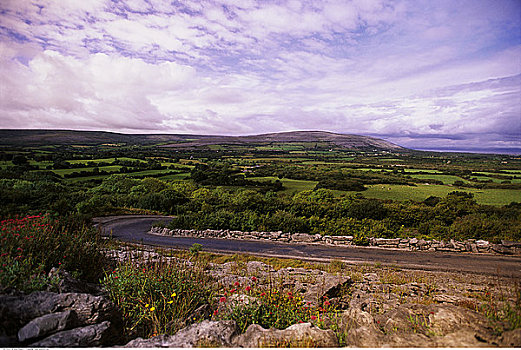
(157, 298)
(33, 245)
(275, 307)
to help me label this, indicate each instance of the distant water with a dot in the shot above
(510, 151)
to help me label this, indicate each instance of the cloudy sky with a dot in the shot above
(423, 74)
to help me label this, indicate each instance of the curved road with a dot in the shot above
(134, 229)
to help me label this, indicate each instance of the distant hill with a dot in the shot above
(73, 137)
(339, 140)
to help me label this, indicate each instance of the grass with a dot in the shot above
(108, 168)
(290, 185)
(446, 179)
(158, 297)
(175, 177)
(102, 160)
(421, 192)
(406, 170)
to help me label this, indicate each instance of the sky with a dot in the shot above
(423, 74)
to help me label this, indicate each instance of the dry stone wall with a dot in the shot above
(412, 244)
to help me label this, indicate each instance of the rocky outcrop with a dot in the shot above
(95, 335)
(411, 244)
(224, 334)
(48, 319)
(298, 335)
(204, 334)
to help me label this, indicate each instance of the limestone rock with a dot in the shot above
(68, 284)
(204, 334)
(446, 319)
(511, 338)
(360, 329)
(460, 339)
(297, 335)
(90, 336)
(47, 324)
(17, 311)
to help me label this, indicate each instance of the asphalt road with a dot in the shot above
(134, 229)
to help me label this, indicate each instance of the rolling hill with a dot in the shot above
(73, 137)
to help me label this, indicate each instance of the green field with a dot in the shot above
(290, 185)
(406, 170)
(103, 160)
(108, 168)
(175, 177)
(446, 179)
(421, 192)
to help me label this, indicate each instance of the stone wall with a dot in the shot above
(469, 245)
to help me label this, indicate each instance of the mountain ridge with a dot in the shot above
(68, 137)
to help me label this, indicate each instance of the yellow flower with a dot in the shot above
(152, 308)
(173, 294)
(146, 305)
(170, 302)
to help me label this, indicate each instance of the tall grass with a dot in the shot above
(158, 297)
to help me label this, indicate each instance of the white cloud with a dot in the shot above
(229, 66)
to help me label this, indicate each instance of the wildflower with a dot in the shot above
(313, 317)
(248, 288)
(170, 302)
(263, 294)
(147, 305)
(173, 295)
(236, 284)
(327, 303)
(254, 279)
(215, 312)
(233, 291)
(222, 300)
(152, 308)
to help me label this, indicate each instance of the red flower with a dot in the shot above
(236, 284)
(313, 317)
(233, 291)
(263, 294)
(215, 312)
(248, 288)
(254, 279)
(222, 300)
(327, 303)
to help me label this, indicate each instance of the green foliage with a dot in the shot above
(32, 245)
(195, 249)
(272, 307)
(22, 275)
(157, 298)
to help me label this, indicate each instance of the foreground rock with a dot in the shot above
(224, 334)
(299, 335)
(204, 334)
(416, 325)
(47, 319)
